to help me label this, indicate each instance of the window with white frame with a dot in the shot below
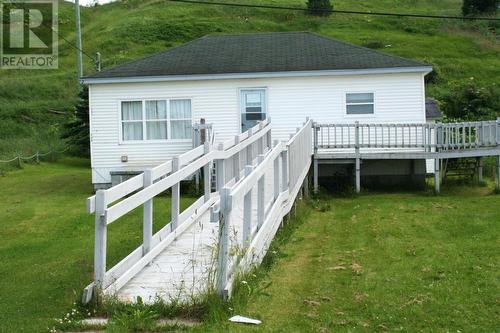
(360, 103)
(148, 120)
(253, 107)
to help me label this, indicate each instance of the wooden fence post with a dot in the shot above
(223, 246)
(100, 239)
(176, 193)
(247, 213)
(37, 157)
(147, 228)
(206, 173)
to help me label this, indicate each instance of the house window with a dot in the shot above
(156, 120)
(360, 103)
(253, 107)
(132, 120)
(180, 118)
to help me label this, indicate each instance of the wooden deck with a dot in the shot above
(354, 142)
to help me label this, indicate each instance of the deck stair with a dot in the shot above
(460, 168)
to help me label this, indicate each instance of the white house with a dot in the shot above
(141, 112)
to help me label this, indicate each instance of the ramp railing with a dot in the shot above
(112, 204)
(252, 209)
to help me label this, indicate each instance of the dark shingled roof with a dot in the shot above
(432, 110)
(254, 53)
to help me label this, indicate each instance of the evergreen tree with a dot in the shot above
(319, 7)
(473, 7)
(77, 131)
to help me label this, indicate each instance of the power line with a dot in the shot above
(70, 43)
(232, 4)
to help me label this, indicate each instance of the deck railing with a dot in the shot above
(427, 137)
(112, 204)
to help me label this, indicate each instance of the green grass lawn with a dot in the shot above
(46, 247)
(409, 262)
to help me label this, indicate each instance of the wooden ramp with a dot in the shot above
(221, 235)
(181, 270)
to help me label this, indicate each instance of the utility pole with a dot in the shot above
(79, 64)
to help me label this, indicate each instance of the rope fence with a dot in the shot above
(35, 157)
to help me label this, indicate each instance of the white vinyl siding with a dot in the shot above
(288, 101)
(360, 103)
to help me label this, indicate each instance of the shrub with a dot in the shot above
(472, 7)
(470, 101)
(77, 131)
(319, 7)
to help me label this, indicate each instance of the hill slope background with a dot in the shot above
(35, 104)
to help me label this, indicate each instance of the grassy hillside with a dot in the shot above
(127, 30)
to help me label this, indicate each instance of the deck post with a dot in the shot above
(100, 239)
(358, 162)
(223, 246)
(498, 173)
(176, 193)
(315, 175)
(315, 161)
(247, 213)
(147, 220)
(219, 165)
(480, 170)
(206, 174)
(437, 177)
(260, 197)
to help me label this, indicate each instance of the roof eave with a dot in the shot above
(196, 77)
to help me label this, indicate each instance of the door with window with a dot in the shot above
(253, 107)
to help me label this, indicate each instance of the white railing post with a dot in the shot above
(176, 193)
(236, 160)
(220, 169)
(497, 131)
(147, 221)
(206, 173)
(276, 175)
(284, 170)
(223, 246)
(247, 212)
(260, 197)
(100, 239)
(249, 150)
(437, 178)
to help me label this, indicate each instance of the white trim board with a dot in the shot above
(196, 77)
